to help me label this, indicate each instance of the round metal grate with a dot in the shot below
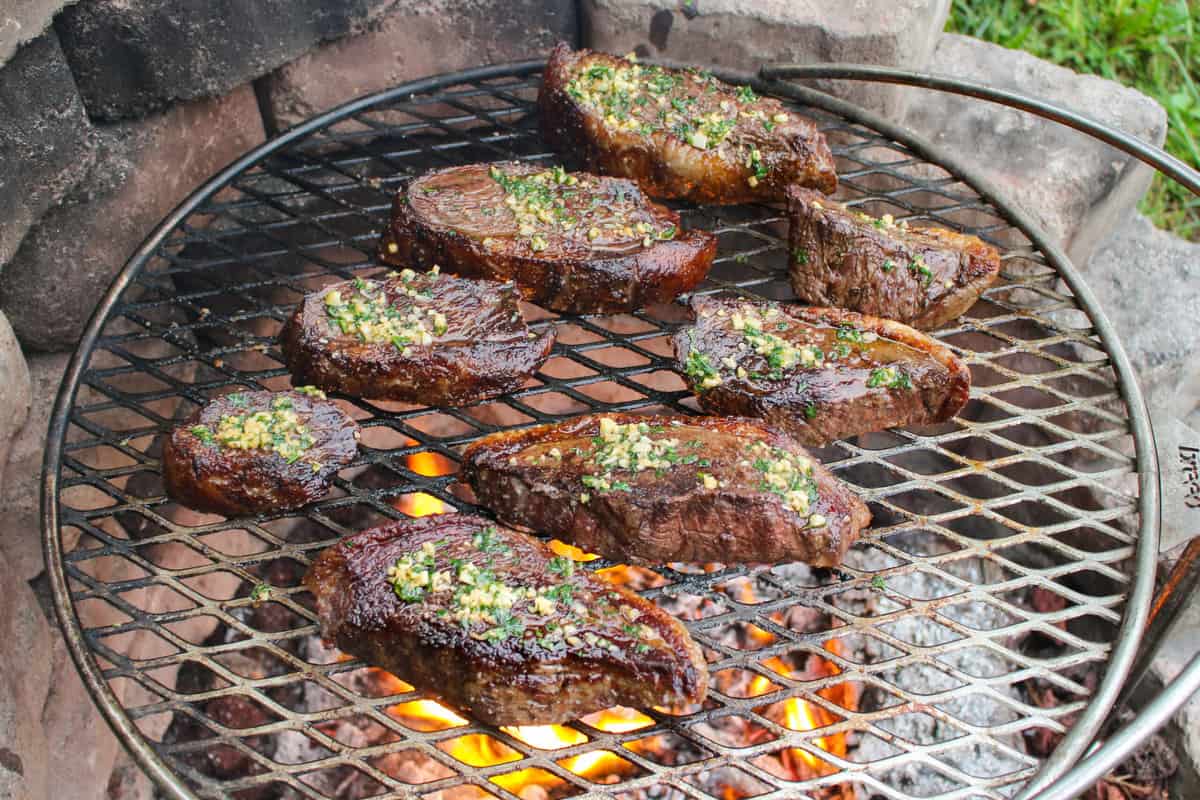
(972, 622)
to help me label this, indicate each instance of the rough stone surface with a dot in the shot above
(45, 144)
(1072, 186)
(1148, 283)
(732, 33)
(22, 21)
(20, 486)
(24, 683)
(413, 40)
(143, 170)
(129, 57)
(80, 771)
(14, 389)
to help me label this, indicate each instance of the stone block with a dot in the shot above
(1072, 185)
(731, 33)
(24, 684)
(23, 21)
(413, 40)
(82, 749)
(45, 137)
(129, 58)
(15, 395)
(143, 170)
(21, 481)
(1148, 284)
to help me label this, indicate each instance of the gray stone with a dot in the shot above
(1073, 186)
(732, 33)
(144, 169)
(132, 57)
(82, 749)
(413, 40)
(1169, 661)
(20, 486)
(24, 683)
(15, 394)
(22, 21)
(45, 144)
(1148, 284)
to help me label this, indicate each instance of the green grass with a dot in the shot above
(1152, 46)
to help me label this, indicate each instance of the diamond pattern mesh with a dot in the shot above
(997, 565)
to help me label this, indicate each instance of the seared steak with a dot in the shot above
(653, 489)
(417, 337)
(923, 277)
(572, 242)
(496, 625)
(679, 133)
(249, 452)
(817, 373)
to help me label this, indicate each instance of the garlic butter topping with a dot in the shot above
(621, 449)
(367, 313)
(461, 587)
(278, 430)
(691, 105)
(788, 476)
(554, 203)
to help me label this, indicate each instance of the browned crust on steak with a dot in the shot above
(517, 680)
(832, 400)
(838, 258)
(666, 166)
(662, 517)
(572, 275)
(487, 349)
(208, 477)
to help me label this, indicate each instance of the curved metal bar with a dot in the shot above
(1080, 737)
(85, 662)
(1155, 157)
(1122, 744)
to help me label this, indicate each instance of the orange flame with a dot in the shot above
(421, 504)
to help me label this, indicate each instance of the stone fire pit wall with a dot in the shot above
(112, 111)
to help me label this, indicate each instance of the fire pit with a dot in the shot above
(1002, 565)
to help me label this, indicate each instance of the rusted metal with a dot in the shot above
(1001, 553)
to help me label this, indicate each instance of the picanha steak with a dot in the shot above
(817, 373)
(250, 452)
(921, 276)
(572, 242)
(495, 624)
(644, 489)
(416, 337)
(680, 133)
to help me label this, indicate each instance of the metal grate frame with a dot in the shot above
(1003, 550)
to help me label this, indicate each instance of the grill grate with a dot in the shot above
(1000, 557)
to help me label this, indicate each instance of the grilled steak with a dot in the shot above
(817, 373)
(495, 624)
(249, 452)
(417, 337)
(923, 277)
(654, 489)
(679, 133)
(572, 242)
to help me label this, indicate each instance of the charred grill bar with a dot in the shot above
(999, 570)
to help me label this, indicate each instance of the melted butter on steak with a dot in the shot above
(541, 209)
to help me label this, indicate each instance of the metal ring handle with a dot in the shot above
(1164, 162)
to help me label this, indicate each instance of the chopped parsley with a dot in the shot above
(701, 371)
(889, 378)
(801, 255)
